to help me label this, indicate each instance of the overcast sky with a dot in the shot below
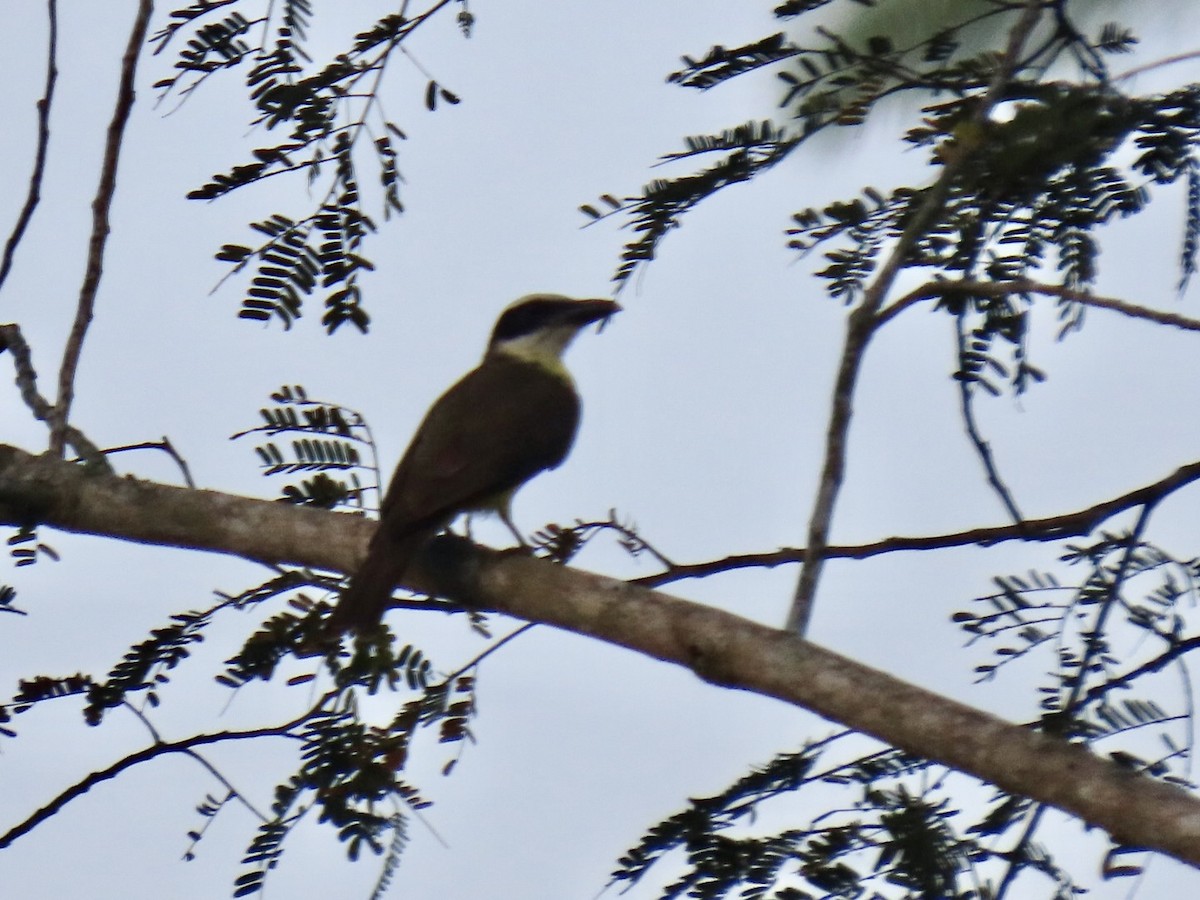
(705, 405)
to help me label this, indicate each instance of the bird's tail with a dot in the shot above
(363, 603)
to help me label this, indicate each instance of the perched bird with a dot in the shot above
(511, 417)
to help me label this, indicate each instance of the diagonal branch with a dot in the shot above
(101, 207)
(935, 289)
(983, 449)
(34, 194)
(863, 322)
(13, 341)
(721, 648)
(1052, 528)
(1095, 643)
(154, 751)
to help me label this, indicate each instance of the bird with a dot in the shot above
(513, 416)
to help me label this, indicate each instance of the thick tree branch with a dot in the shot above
(101, 207)
(721, 648)
(63, 495)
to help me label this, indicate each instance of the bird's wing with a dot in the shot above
(500, 425)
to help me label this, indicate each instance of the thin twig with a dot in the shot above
(225, 783)
(1016, 856)
(1158, 64)
(1093, 645)
(146, 754)
(862, 323)
(490, 650)
(935, 289)
(154, 751)
(234, 793)
(167, 447)
(1175, 651)
(982, 448)
(1052, 528)
(101, 207)
(34, 195)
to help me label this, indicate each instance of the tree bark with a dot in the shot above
(719, 647)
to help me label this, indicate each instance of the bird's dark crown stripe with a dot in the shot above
(537, 312)
(526, 318)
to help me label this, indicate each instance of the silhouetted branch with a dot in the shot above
(185, 746)
(234, 793)
(13, 341)
(166, 447)
(1157, 64)
(488, 651)
(1093, 645)
(935, 289)
(1176, 651)
(34, 194)
(982, 447)
(101, 208)
(1051, 528)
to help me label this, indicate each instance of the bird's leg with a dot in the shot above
(506, 518)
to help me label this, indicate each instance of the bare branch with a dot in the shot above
(234, 793)
(1177, 650)
(154, 751)
(166, 447)
(100, 227)
(1158, 64)
(34, 194)
(61, 494)
(1051, 528)
(484, 654)
(13, 341)
(863, 322)
(733, 652)
(934, 289)
(982, 448)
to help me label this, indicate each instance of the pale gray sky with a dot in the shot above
(705, 403)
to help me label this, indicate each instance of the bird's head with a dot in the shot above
(538, 328)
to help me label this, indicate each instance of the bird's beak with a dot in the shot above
(588, 311)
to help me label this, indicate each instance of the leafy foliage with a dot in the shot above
(348, 768)
(327, 438)
(331, 115)
(897, 827)
(1027, 190)
(8, 593)
(145, 665)
(1024, 192)
(25, 550)
(39, 689)
(1030, 191)
(1035, 612)
(748, 150)
(901, 828)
